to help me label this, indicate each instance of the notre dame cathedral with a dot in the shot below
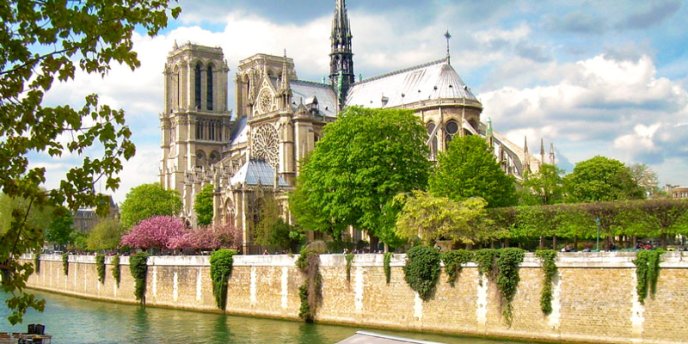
(279, 119)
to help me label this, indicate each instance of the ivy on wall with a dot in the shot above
(453, 261)
(310, 292)
(485, 259)
(115, 269)
(37, 262)
(349, 260)
(647, 272)
(387, 268)
(65, 263)
(549, 267)
(507, 278)
(100, 266)
(422, 270)
(221, 264)
(138, 265)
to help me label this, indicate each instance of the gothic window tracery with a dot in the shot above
(451, 128)
(211, 130)
(199, 130)
(200, 158)
(265, 143)
(214, 157)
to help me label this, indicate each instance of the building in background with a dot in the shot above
(85, 219)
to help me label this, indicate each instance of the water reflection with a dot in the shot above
(77, 321)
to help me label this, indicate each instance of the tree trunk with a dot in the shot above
(542, 242)
(554, 242)
(386, 248)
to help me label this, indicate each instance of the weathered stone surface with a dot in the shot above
(594, 295)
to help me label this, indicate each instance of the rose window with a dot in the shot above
(265, 143)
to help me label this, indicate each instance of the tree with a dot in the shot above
(42, 42)
(158, 232)
(544, 187)
(208, 238)
(203, 205)
(468, 169)
(272, 231)
(61, 227)
(363, 160)
(105, 235)
(148, 200)
(430, 218)
(601, 179)
(645, 178)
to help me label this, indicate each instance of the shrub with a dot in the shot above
(452, 263)
(422, 270)
(221, 263)
(65, 263)
(138, 265)
(388, 269)
(549, 267)
(116, 269)
(155, 232)
(100, 266)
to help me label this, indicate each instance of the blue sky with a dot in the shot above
(594, 77)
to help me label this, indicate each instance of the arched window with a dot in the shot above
(450, 130)
(197, 86)
(209, 94)
(214, 157)
(432, 136)
(200, 159)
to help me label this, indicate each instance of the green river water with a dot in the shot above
(72, 320)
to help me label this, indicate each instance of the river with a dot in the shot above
(72, 320)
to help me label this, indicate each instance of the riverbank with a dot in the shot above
(594, 295)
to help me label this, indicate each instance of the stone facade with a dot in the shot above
(594, 295)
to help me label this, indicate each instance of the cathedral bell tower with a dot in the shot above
(341, 58)
(195, 122)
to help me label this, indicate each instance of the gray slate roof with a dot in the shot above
(305, 90)
(257, 172)
(434, 80)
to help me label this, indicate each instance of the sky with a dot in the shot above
(593, 77)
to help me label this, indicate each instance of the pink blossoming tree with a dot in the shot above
(159, 232)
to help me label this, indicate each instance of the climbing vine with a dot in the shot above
(100, 266)
(647, 272)
(138, 265)
(349, 260)
(507, 278)
(422, 270)
(485, 259)
(310, 292)
(65, 263)
(115, 268)
(37, 262)
(453, 261)
(388, 269)
(549, 267)
(221, 263)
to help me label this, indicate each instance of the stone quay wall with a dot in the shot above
(594, 295)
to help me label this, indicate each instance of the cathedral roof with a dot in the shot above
(255, 173)
(430, 81)
(240, 131)
(304, 90)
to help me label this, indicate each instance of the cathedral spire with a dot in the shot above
(552, 158)
(341, 57)
(542, 150)
(448, 36)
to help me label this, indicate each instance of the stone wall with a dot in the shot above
(594, 295)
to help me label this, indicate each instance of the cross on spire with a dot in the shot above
(448, 36)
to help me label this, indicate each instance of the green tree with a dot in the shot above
(363, 160)
(271, 229)
(105, 235)
(601, 179)
(148, 200)
(61, 227)
(42, 42)
(544, 187)
(645, 178)
(37, 217)
(468, 169)
(431, 218)
(203, 205)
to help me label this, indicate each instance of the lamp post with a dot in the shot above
(597, 221)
